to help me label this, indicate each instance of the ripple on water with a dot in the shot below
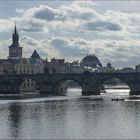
(74, 117)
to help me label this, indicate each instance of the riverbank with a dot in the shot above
(37, 95)
(21, 96)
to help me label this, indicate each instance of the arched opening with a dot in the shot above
(114, 86)
(28, 86)
(68, 87)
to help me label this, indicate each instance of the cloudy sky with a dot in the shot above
(73, 29)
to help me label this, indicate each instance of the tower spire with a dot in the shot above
(15, 51)
(15, 36)
(15, 28)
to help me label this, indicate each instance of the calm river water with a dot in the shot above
(71, 117)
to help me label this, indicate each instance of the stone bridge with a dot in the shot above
(50, 83)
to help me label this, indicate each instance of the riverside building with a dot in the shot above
(23, 66)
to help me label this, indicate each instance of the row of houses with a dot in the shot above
(30, 65)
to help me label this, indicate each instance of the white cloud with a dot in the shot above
(77, 15)
(74, 17)
(5, 25)
(72, 29)
(102, 26)
(120, 53)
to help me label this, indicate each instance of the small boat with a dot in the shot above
(117, 99)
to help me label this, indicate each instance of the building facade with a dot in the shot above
(23, 66)
(57, 66)
(32, 65)
(74, 67)
(6, 67)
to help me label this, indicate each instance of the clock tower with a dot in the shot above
(15, 51)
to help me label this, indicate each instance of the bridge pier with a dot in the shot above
(9, 87)
(49, 89)
(46, 89)
(134, 88)
(90, 90)
(8, 90)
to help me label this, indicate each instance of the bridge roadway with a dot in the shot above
(50, 83)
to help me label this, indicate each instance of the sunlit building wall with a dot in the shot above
(25, 67)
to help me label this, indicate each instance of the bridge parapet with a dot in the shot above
(90, 82)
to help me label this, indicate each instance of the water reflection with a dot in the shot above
(132, 118)
(15, 117)
(70, 118)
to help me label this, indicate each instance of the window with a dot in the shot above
(28, 84)
(24, 84)
(32, 71)
(32, 83)
(20, 71)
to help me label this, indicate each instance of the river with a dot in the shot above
(71, 117)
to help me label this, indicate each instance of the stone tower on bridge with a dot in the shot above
(15, 51)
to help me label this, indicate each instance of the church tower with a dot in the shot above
(15, 51)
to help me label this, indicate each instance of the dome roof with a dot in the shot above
(91, 60)
(128, 69)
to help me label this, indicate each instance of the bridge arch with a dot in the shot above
(28, 84)
(113, 81)
(61, 85)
